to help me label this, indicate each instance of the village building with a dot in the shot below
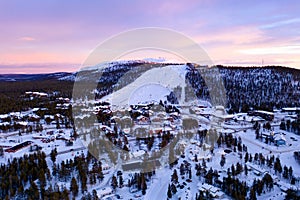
(104, 192)
(279, 139)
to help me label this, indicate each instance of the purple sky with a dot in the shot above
(50, 35)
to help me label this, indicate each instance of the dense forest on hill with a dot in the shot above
(12, 93)
(246, 88)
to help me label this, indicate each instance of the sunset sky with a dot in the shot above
(53, 35)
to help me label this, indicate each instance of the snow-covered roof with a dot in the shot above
(104, 191)
(205, 186)
(17, 114)
(22, 123)
(141, 117)
(105, 127)
(222, 116)
(126, 130)
(218, 194)
(279, 137)
(34, 116)
(40, 93)
(174, 113)
(285, 186)
(202, 128)
(167, 128)
(265, 112)
(50, 116)
(35, 109)
(138, 153)
(257, 118)
(214, 189)
(4, 124)
(226, 131)
(3, 116)
(37, 93)
(291, 109)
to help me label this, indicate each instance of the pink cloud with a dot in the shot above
(28, 39)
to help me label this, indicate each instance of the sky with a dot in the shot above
(53, 35)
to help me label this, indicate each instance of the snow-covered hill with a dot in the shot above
(153, 85)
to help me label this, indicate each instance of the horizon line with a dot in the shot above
(215, 65)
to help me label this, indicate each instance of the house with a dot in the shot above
(291, 110)
(5, 145)
(36, 94)
(105, 166)
(156, 130)
(212, 190)
(279, 139)
(35, 147)
(221, 114)
(269, 116)
(18, 147)
(104, 192)
(204, 187)
(285, 186)
(131, 165)
(138, 153)
(69, 143)
(217, 194)
(256, 172)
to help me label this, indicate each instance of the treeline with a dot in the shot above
(11, 93)
(292, 126)
(247, 87)
(29, 177)
(20, 173)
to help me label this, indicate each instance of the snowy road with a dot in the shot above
(159, 187)
(69, 150)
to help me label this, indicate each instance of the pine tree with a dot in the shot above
(94, 195)
(74, 187)
(203, 163)
(42, 178)
(120, 181)
(253, 194)
(33, 191)
(53, 155)
(196, 158)
(65, 194)
(1, 151)
(223, 160)
(169, 193)
(83, 182)
(282, 125)
(257, 133)
(285, 172)
(233, 170)
(277, 166)
(246, 157)
(114, 182)
(246, 170)
(174, 177)
(173, 188)
(143, 184)
(290, 172)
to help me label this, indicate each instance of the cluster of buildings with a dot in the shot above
(213, 191)
(276, 137)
